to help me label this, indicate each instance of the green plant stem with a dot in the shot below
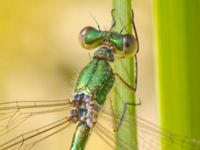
(124, 67)
(178, 59)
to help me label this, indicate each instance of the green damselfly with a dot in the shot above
(92, 87)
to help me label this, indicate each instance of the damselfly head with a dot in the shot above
(122, 45)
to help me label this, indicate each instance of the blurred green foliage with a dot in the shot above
(178, 52)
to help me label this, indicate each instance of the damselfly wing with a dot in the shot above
(14, 114)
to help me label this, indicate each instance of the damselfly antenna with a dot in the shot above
(95, 21)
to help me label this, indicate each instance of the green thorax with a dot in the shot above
(97, 78)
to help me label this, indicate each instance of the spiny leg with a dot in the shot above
(135, 31)
(117, 125)
(124, 27)
(113, 20)
(135, 60)
(125, 103)
(128, 86)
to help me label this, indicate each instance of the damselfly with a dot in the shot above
(86, 108)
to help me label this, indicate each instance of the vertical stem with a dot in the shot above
(178, 59)
(125, 67)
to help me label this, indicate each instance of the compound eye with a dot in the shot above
(129, 45)
(90, 37)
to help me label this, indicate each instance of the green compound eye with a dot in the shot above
(125, 45)
(90, 37)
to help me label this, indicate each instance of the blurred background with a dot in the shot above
(40, 56)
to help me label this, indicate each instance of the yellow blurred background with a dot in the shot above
(40, 56)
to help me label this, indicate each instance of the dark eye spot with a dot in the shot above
(128, 41)
(127, 44)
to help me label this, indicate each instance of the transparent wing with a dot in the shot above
(109, 137)
(27, 140)
(12, 114)
(149, 134)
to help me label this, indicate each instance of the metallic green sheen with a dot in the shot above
(103, 91)
(96, 79)
(117, 40)
(84, 77)
(93, 36)
(80, 137)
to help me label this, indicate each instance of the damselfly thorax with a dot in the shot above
(92, 87)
